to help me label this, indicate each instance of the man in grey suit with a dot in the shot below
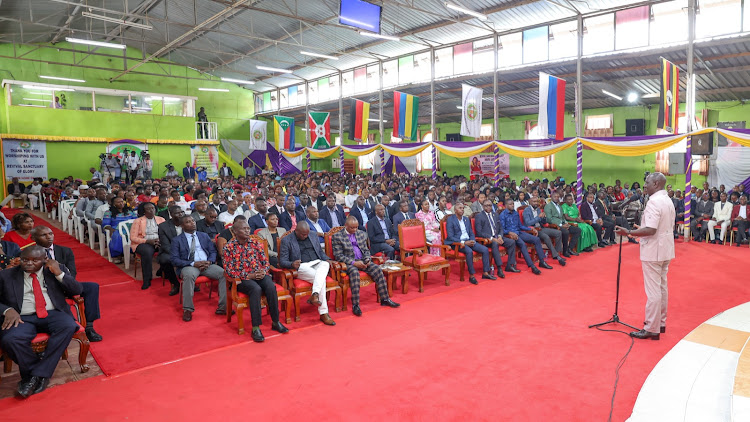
(312, 264)
(570, 234)
(534, 216)
(702, 212)
(489, 227)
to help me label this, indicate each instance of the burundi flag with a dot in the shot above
(359, 113)
(669, 97)
(471, 113)
(258, 134)
(320, 130)
(405, 111)
(283, 130)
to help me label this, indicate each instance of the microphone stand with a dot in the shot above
(616, 318)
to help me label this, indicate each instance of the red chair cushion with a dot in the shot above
(427, 259)
(40, 337)
(202, 279)
(413, 237)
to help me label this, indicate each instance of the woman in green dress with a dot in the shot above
(588, 235)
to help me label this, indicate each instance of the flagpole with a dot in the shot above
(432, 112)
(579, 113)
(690, 112)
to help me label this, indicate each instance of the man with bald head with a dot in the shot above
(657, 250)
(305, 255)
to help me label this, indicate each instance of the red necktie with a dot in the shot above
(41, 304)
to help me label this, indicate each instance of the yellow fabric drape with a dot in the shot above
(48, 138)
(465, 153)
(536, 154)
(399, 152)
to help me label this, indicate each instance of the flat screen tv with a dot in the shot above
(360, 14)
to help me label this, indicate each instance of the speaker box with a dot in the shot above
(676, 162)
(635, 127)
(453, 137)
(702, 144)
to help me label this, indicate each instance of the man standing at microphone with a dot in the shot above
(657, 250)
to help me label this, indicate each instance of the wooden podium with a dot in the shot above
(350, 165)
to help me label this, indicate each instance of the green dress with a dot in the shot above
(588, 234)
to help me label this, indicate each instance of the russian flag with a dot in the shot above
(552, 106)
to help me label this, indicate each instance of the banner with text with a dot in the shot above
(25, 160)
(484, 165)
(205, 156)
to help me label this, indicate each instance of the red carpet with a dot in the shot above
(513, 349)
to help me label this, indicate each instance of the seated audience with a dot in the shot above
(556, 218)
(332, 213)
(272, 234)
(739, 220)
(232, 211)
(572, 215)
(117, 213)
(291, 215)
(210, 224)
(722, 217)
(361, 212)
(522, 234)
(16, 190)
(382, 234)
(402, 214)
(458, 228)
(590, 216)
(535, 217)
(431, 226)
(702, 212)
(199, 212)
(258, 221)
(8, 248)
(21, 235)
(317, 224)
(490, 227)
(168, 230)
(144, 239)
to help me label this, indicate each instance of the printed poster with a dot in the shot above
(484, 165)
(25, 160)
(206, 156)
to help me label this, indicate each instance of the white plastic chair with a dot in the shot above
(66, 207)
(103, 241)
(92, 230)
(124, 229)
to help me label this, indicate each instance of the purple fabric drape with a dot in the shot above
(400, 167)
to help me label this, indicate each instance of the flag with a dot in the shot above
(552, 106)
(471, 115)
(320, 130)
(669, 97)
(283, 130)
(258, 134)
(358, 115)
(405, 110)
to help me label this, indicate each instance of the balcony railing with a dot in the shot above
(206, 131)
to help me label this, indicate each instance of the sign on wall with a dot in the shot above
(118, 148)
(25, 160)
(205, 156)
(484, 165)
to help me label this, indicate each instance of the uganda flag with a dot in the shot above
(320, 130)
(359, 113)
(669, 98)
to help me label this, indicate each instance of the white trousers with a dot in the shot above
(655, 284)
(34, 199)
(10, 198)
(315, 272)
(724, 226)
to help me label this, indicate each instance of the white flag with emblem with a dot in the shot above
(471, 115)
(258, 134)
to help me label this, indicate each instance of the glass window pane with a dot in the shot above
(484, 55)
(373, 77)
(599, 34)
(718, 17)
(632, 27)
(347, 87)
(175, 106)
(421, 71)
(284, 98)
(274, 100)
(746, 19)
(292, 93)
(360, 80)
(390, 73)
(535, 44)
(509, 50)
(462, 58)
(301, 95)
(443, 62)
(405, 67)
(266, 101)
(323, 94)
(333, 87)
(113, 103)
(563, 40)
(669, 23)
(312, 92)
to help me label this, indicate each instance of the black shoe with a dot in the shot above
(146, 285)
(389, 302)
(92, 335)
(187, 316)
(512, 269)
(602, 244)
(632, 240)
(561, 261)
(589, 249)
(488, 276)
(535, 270)
(574, 253)
(257, 336)
(713, 242)
(159, 272)
(643, 334)
(196, 289)
(356, 311)
(278, 326)
(26, 388)
(473, 280)
(662, 330)
(500, 274)
(223, 312)
(545, 265)
(41, 385)
(174, 290)
(566, 254)
(737, 245)
(676, 236)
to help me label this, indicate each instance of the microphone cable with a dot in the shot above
(617, 369)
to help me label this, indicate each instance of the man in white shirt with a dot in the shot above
(228, 216)
(722, 216)
(132, 162)
(739, 220)
(33, 192)
(148, 166)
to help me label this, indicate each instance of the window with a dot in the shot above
(462, 58)
(563, 40)
(390, 73)
(284, 98)
(537, 164)
(405, 67)
(266, 101)
(347, 84)
(632, 27)
(323, 92)
(312, 92)
(421, 71)
(510, 48)
(424, 158)
(274, 100)
(360, 80)
(373, 77)
(662, 157)
(395, 140)
(443, 62)
(599, 126)
(484, 55)
(485, 133)
(333, 87)
(301, 94)
(366, 162)
(337, 141)
(536, 45)
(598, 34)
(718, 17)
(669, 23)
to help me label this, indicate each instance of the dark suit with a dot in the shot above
(603, 209)
(290, 251)
(180, 258)
(700, 208)
(399, 218)
(378, 237)
(453, 229)
(285, 219)
(587, 215)
(325, 214)
(188, 173)
(257, 222)
(343, 251)
(357, 213)
(225, 171)
(491, 228)
(278, 210)
(90, 293)
(212, 231)
(11, 249)
(167, 232)
(314, 269)
(59, 323)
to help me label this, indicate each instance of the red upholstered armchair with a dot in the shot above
(452, 251)
(239, 300)
(39, 343)
(414, 251)
(300, 288)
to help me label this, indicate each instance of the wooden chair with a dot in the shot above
(340, 268)
(415, 251)
(301, 288)
(239, 300)
(453, 251)
(39, 343)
